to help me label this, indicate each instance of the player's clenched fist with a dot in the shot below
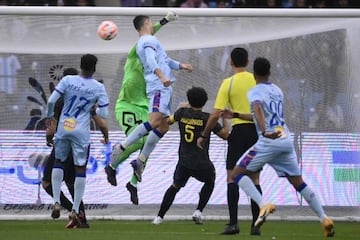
(186, 66)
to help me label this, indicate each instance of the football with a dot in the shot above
(107, 30)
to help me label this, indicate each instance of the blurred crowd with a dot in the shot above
(192, 3)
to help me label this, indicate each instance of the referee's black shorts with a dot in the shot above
(241, 138)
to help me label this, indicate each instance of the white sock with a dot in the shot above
(247, 185)
(79, 189)
(149, 146)
(135, 135)
(56, 180)
(313, 202)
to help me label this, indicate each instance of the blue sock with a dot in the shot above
(138, 133)
(79, 189)
(56, 180)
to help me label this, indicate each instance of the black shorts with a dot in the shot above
(69, 169)
(242, 137)
(182, 174)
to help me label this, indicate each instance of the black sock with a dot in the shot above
(255, 208)
(64, 201)
(205, 194)
(233, 199)
(167, 200)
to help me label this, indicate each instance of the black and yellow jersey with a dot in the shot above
(191, 123)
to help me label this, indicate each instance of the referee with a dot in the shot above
(233, 94)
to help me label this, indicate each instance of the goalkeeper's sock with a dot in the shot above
(138, 133)
(312, 200)
(134, 180)
(167, 200)
(56, 179)
(151, 141)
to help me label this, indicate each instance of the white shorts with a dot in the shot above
(80, 151)
(160, 101)
(279, 154)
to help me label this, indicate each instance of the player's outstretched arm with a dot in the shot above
(224, 132)
(229, 114)
(170, 17)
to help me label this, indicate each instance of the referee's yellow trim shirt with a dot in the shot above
(233, 93)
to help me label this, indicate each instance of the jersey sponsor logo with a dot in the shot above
(70, 124)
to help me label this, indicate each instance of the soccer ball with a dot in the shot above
(37, 159)
(107, 30)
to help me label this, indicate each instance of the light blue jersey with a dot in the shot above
(272, 99)
(80, 95)
(152, 56)
(280, 152)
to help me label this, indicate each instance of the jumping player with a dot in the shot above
(131, 109)
(158, 77)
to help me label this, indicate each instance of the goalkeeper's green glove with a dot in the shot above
(170, 16)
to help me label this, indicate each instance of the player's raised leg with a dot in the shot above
(310, 197)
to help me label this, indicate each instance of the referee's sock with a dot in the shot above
(233, 199)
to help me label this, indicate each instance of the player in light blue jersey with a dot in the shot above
(274, 147)
(81, 93)
(158, 78)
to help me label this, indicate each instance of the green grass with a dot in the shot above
(172, 230)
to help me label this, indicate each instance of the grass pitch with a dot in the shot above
(171, 230)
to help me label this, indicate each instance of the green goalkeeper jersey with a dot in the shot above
(133, 88)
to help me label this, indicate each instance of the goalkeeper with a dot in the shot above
(131, 109)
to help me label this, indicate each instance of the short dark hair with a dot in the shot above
(70, 71)
(197, 97)
(239, 57)
(261, 66)
(88, 62)
(139, 21)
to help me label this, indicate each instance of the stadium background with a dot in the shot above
(315, 65)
